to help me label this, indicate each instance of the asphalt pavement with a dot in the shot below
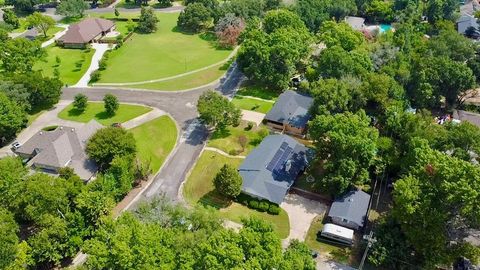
(181, 105)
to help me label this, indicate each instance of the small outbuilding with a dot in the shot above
(338, 234)
(357, 23)
(87, 31)
(350, 210)
(290, 113)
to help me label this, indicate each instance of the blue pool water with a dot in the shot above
(385, 28)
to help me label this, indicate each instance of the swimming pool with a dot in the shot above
(385, 28)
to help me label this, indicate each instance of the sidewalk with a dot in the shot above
(135, 122)
(56, 36)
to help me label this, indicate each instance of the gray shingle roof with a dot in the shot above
(352, 206)
(86, 30)
(357, 23)
(466, 21)
(62, 147)
(473, 118)
(271, 168)
(292, 108)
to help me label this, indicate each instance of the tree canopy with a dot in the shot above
(217, 111)
(109, 142)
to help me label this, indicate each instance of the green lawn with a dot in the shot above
(250, 89)
(338, 253)
(155, 140)
(199, 189)
(185, 82)
(22, 26)
(164, 53)
(73, 63)
(227, 140)
(95, 110)
(251, 104)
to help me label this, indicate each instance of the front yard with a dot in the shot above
(73, 63)
(96, 110)
(155, 140)
(165, 53)
(199, 189)
(228, 140)
(251, 104)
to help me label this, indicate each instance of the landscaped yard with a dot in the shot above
(73, 63)
(95, 110)
(165, 53)
(199, 189)
(250, 89)
(338, 253)
(155, 140)
(251, 104)
(227, 140)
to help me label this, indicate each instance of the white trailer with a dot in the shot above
(338, 233)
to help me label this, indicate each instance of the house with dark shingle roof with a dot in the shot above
(270, 170)
(59, 148)
(350, 210)
(290, 113)
(89, 30)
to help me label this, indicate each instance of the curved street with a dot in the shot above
(181, 105)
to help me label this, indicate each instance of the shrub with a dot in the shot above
(263, 133)
(274, 209)
(249, 126)
(102, 65)
(253, 204)
(263, 206)
(95, 76)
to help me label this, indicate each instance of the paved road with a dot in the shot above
(132, 10)
(182, 107)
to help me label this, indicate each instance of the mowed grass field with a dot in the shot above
(96, 110)
(155, 140)
(165, 53)
(199, 188)
(73, 63)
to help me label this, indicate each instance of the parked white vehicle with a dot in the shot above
(338, 233)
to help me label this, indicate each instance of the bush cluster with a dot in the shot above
(259, 205)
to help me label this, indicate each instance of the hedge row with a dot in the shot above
(259, 205)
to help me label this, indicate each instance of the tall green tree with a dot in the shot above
(194, 18)
(228, 181)
(217, 111)
(19, 55)
(12, 118)
(72, 8)
(108, 143)
(8, 239)
(9, 17)
(44, 91)
(335, 62)
(40, 22)
(111, 104)
(147, 23)
(347, 144)
(80, 102)
(340, 34)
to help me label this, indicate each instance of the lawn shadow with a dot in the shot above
(221, 133)
(74, 112)
(215, 200)
(103, 115)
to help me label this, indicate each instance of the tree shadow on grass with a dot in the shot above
(221, 133)
(74, 112)
(215, 200)
(103, 115)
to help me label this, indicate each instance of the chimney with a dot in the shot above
(288, 165)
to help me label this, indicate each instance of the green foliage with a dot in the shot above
(335, 62)
(340, 34)
(274, 209)
(95, 76)
(44, 92)
(228, 181)
(246, 9)
(18, 55)
(451, 44)
(194, 18)
(80, 102)
(9, 17)
(272, 59)
(12, 173)
(40, 22)
(111, 104)
(217, 111)
(121, 168)
(108, 143)
(165, 3)
(315, 12)
(437, 10)
(116, 12)
(72, 8)
(8, 238)
(147, 23)
(281, 18)
(380, 11)
(347, 144)
(12, 119)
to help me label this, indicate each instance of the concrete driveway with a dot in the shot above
(252, 116)
(100, 50)
(301, 212)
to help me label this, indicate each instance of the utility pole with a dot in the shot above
(371, 240)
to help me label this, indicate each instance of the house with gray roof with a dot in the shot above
(270, 170)
(471, 117)
(465, 22)
(350, 210)
(357, 23)
(62, 147)
(290, 113)
(89, 30)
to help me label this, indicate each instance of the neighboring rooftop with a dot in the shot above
(357, 23)
(86, 30)
(291, 108)
(269, 170)
(473, 118)
(352, 207)
(465, 22)
(62, 147)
